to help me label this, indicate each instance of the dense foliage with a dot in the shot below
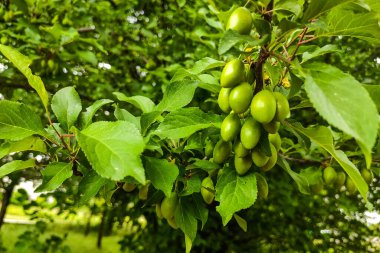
(136, 100)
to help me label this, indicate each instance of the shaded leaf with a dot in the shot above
(54, 175)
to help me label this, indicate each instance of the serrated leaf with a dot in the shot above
(29, 143)
(122, 114)
(54, 175)
(319, 7)
(374, 92)
(205, 64)
(318, 52)
(301, 181)
(90, 185)
(177, 95)
(340, 22)
(192, 185)
(232, 38)
(113, 149)
(185, 121)
(145, 104)
(161, 173)
(86, 117)
(15, 166)
(200, 209)
(147, 119)
(185, 219)
(241, 222)
(205, 165)
(234, 193)
(332, 93)
(22, 63)
(322, 136)
(17, 121)
(66, 105)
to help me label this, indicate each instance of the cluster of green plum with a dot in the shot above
(338, 179)
(252, 117)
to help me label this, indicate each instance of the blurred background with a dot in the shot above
(135, 47)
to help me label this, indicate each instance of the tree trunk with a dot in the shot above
(5, 202)
(88, 225)
(101, 227)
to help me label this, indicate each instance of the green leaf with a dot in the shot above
(241, 222)
(29, 143)
(301, 181)
(313, 175)
(15, 166)
(161, 173)
(205, 64)
(319, 51)
(374, 92)
(122, 114)
(232, 38)
(177, 95)
(200, 209)
(143, 103)
(184, 122)
(322, 136)
(113, 149)
(191, 185)
(319, 7)
(86, 117)
(87, 56)
(340, 22)
(67, 106)
(90, 185)
(147, 119)
(54, 175)
(289, 5)
(22, 63)
(332, 93)
(205, 165)
(234, 193)
(17, 121)
(185, 218)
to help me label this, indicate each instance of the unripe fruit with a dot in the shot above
(262, 186)
(232, 74)
(240, 21)
(239, 149)
(272, 127)
(223, 98)
(206, 190)
(143, 192)
(51, 64)
(275, 139)
(222, 151)
(168, 206)
(329, 175)
(209, 147)
(263, 106)
(316, 188)
(340, 180)
(250, 133)
(249, 76)
(272, 160)
(240, 97)
(230, 127)
(282, 106)
(158, 211)
(350, 186)
(367, 175)
(259, 158)
(242, 164)
(172, 222)
(128, 187)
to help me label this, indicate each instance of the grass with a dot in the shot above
(76, 239)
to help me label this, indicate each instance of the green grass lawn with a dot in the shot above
(76, 239)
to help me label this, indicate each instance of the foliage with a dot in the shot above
(159, 112)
